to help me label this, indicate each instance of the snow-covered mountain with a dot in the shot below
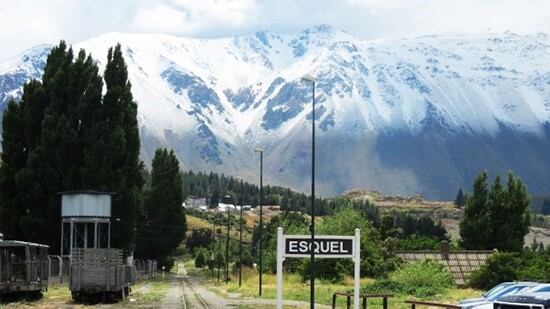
(419, 115)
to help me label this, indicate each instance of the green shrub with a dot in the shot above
(419, 279)
(502, 267)
(201, 258)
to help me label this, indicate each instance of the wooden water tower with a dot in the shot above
(85, 220)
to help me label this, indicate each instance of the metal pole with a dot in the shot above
(212, 246)
(241, 238)
(227, 250)
(357, 260)
(218, 253)
(62, 235)
(261, 215)
(280, 259)
(312, 262)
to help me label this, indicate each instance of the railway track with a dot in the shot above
(191, 299)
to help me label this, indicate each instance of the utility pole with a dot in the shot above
(213, 258)
(312, 226)
(227, 248)
(261, 217)
(241, 238)
(219, 249)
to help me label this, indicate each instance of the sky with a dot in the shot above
(26, 23)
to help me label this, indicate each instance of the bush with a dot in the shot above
(201, 258)
(419, 279)
(376, 260)
(502, 267)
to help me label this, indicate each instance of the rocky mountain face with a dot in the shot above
(419, 115)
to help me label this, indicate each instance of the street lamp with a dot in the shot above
(261, 214)
(309, 79)
(227, 198)
(212, 245)
(219, 242)
(241, 238)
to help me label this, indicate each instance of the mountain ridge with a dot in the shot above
(214, 100)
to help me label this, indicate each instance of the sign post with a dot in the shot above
(324, 246)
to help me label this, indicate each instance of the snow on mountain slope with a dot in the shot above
(383, 107)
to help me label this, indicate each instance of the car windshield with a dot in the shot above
(496, 289)
(540, 288)
(506, 291)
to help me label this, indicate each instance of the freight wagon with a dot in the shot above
(23, 267)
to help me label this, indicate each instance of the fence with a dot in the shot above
(58, 268)
(145, 269)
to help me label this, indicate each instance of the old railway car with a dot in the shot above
(23, 267)
(100, 273)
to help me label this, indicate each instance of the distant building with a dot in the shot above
(232, 208)
(198, 203)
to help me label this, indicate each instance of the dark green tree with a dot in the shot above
(460, 199)
(64, 135)
(121, 141)
(164, 223)
(474, 226)
(515, 214)
(199, 238)
(498, 218)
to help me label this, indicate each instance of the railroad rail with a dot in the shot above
(197, 296)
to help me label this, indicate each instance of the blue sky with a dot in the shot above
(25, 23)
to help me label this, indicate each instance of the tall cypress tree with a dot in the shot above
(476, 216)
(164, 223)
(460, 199)
(516, 213)
(113, 159)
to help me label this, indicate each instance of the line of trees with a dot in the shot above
(75, 129)
(215, 187)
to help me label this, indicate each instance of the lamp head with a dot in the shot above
(308, 79)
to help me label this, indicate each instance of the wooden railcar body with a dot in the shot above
(100, 271)
(23, 267)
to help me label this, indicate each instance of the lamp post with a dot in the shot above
(261, 216)
(241, 238)
(310, 79)
(212, 246)
(228, 200)
(219, 243)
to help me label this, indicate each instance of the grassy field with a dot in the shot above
(145, 293)
(194, 223)
(295, 289)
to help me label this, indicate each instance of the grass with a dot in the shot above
(295, 289)
(146, 292)
(194, 223)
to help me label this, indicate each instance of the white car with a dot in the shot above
(535, 298)
(508, 289)
(492, 291)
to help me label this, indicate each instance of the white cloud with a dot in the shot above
(195, 17)
(24, 23)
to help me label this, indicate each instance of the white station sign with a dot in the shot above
(324, 246)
